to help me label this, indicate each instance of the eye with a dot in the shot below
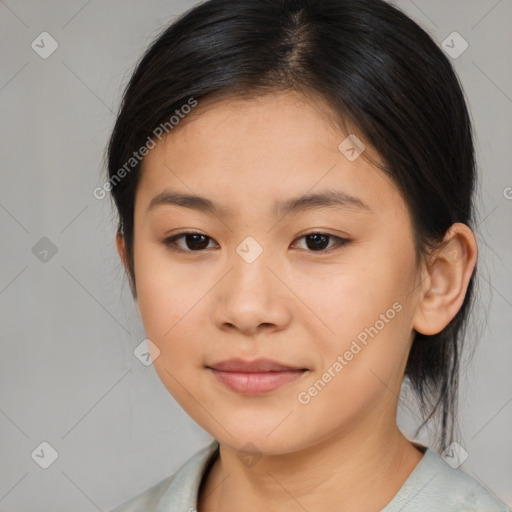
(196, 242)
(319, 241)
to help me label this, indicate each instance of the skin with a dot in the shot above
(293, 304)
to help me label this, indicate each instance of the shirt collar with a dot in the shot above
(182, 493)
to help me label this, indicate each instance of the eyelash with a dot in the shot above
(170, 242)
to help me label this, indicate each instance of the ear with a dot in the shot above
(121, 250)
(449, 270)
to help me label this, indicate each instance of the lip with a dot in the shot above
(255, 377)
(257, 366)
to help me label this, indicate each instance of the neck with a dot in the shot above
(360, 472)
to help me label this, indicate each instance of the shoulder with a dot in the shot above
(435, 485)
(175, 492)
(147, 500)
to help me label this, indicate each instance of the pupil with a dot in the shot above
(194, 245)
(317, 238)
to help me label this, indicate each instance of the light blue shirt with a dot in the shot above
(432, 486)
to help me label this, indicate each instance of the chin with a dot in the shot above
(259, 442)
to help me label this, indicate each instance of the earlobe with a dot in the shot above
(449, 271)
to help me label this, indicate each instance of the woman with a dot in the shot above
(294, 182)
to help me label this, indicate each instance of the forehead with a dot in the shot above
(242, 153)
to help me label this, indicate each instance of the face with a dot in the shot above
(326, 289)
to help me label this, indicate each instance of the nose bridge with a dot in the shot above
(250, 262)
(250, 249)
(250, 294)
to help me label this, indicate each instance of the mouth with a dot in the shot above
(255, 377)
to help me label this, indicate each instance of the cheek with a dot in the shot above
(166, 311)
(355, 299)
(367, 310)
(172, 306)
(160, 293)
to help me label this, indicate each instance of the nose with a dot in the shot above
(252, 298)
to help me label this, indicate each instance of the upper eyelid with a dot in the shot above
(317, 232)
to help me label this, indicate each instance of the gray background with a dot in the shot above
(69, 326)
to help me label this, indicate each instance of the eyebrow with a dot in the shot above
(325, 199)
